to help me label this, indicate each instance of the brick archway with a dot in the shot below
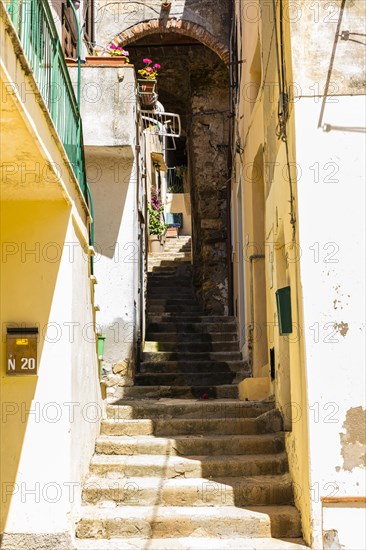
(186, 28)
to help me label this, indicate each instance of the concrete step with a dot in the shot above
(115, 466)
(180, 426)
(191, 445)
(223, 391)
(190, 379)
(192, 543)
(219, 491)
(219, 521)
(187, 408)
(174, 339)
(191, 327)
(192, 367)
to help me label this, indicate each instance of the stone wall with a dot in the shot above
(193, 82)
(208, 148)
(205, 20)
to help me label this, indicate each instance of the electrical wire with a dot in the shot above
(283, 111)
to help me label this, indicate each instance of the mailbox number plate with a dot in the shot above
(21, 354)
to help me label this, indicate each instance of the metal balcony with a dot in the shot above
(35, 27)
(160, 123)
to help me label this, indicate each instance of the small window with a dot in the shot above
(69, 28)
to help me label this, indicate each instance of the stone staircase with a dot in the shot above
(181, 463)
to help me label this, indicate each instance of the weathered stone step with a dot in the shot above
(190, 379)
(218, 521)
(174, 309)
(191, 445)
(174, 256)
(191, 327)
(219, 491)
(223, 391)
(167, 281)
(176, 301)
(190, 543)
(175, 275)
(191, 356)
(169, 264)
(187, 408)
(182, 291)
(184, 317)
(192, 367)
(219, 338)
(181, 426)
(115, 466)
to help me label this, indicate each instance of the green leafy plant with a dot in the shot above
(156, 224)
(149, 72)
(118, 51)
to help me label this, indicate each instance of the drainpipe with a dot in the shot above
(251, 329)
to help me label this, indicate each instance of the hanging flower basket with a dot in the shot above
(146, 90)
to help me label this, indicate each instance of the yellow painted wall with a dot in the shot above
(262, 158)
(44, 283)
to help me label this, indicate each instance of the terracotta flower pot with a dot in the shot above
(99, 61)
(146, 91)
(155, 244)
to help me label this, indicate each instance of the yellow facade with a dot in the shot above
(272, 226)
(45, 284)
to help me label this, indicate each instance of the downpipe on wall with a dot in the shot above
(251, 327)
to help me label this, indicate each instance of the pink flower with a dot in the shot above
(149, 70)
(157, 66)
(147, 61)
(113, 47)
(125, 53)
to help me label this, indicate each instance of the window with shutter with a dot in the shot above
(69, 31)
(89, 35)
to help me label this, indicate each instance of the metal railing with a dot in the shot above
(33, 21)
(161, 123)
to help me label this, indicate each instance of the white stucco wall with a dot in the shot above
(108, 108)
(331, 199)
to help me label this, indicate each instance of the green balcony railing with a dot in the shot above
(33, 21)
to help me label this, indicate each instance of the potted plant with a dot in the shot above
(157, 227)
(146, 85)
(116, 58)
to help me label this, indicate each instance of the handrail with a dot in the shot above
(34, 24)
